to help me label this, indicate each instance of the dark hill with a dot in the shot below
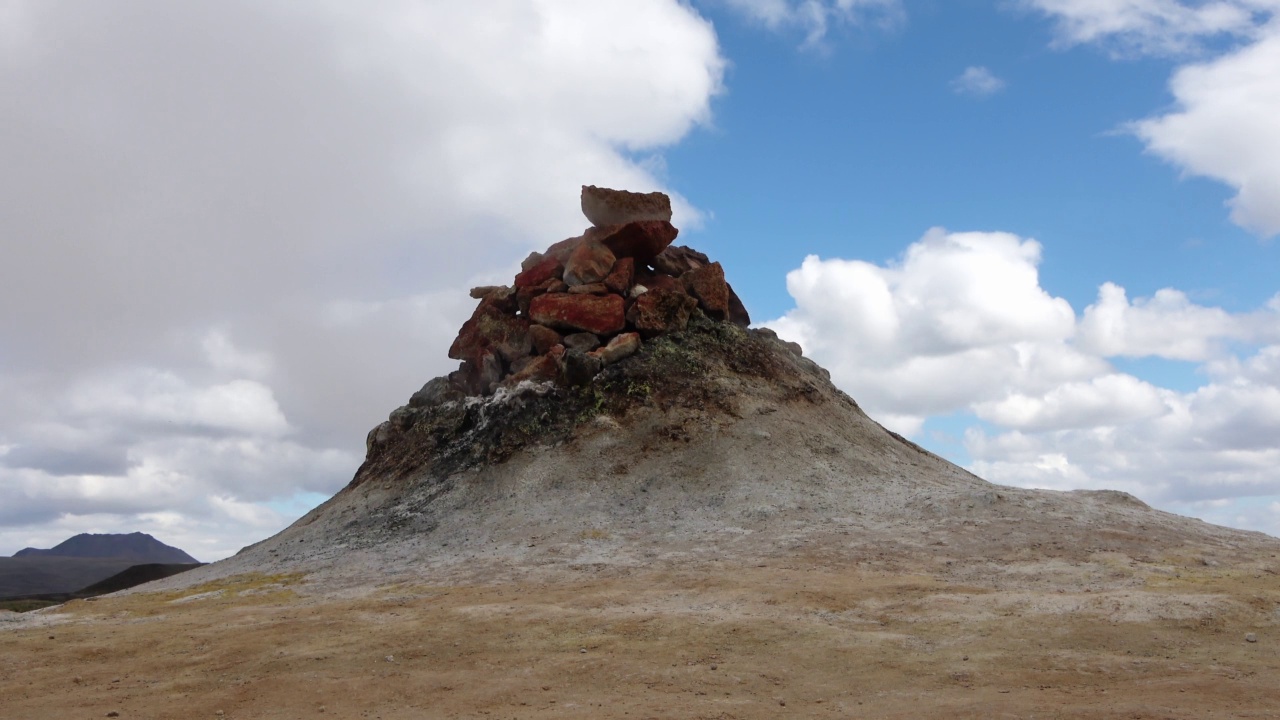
(44, 575)
(136, 547)
(135, 575)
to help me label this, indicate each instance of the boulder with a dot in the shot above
(678, 260)
(737, 311)
(578, 368)
(592, 289)
(478, 376)
(660, 311)
(582, 342)
(543, 338)
(491, 326)
(525, 295)
(599, 314)
(621, 346)
(708, 286)
(622, 277)
(658, 281)
(590, 262)
(435, 392)
(538, 369)
(604, 206)
(548, 268)
(563, 249)
(643, 240)
(497, 292)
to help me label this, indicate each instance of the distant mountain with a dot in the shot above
(137, 547)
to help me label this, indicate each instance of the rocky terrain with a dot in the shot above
(696, 524)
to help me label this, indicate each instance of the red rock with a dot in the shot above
(641, 240)
(525, 295)
(678, 260)
(622, 277)
(604, 206)
(590, 262)
(737, 311)
(708, 286)
(621, 346)
(599, 314)
(658, 281)
(660, 311)
(492, 327)
(538, 369)
(549, 268)
(592, 289)
(543, 338)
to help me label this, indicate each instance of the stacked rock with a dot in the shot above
(590, 301)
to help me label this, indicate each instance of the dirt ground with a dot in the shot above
(800, 639)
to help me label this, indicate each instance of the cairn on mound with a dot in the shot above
(589, 301)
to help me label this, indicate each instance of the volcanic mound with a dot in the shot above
(614, 409)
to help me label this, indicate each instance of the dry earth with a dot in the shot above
(713, 531)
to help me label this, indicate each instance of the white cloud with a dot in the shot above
(977, 81)
(238, 233)
(1225, 128)
(1151, 26)
(1223, 124)
(815, 17)
(957, 320)
(960, 325)
(1167, 325)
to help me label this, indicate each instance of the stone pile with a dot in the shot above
(590, 301)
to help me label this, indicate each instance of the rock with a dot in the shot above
(478, 376)
(738, 314)
(497, 292)
(491, 326)
(533, 259)
(590, 262)
(549, 268)
(599, 314)
(660, 311)
(658, 281)
(582, 342)
(1251, 637)
(592, 289)
(708, 286)
(637, 291)
(678, 260)
(525, 296)
(538, 369)
(544, 338)
(577, 367)
(642, 240)
(563, 249)
(622, 276)
(604, 206)
(402, 417)
(621, 346)
(435, 392)
(377, 438)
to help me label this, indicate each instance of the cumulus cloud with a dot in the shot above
(977, 81)
(815, 17)
(238, 233)
(1224, 127)
(1223, 124)
(960, 327)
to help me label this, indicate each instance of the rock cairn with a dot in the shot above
(589, 301)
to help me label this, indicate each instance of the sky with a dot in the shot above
(1036, 236)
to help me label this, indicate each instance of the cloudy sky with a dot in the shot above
(1036, 235)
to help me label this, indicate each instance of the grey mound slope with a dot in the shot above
(711, 445)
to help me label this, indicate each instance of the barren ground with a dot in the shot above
(799, 637)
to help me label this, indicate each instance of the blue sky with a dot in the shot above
(1036, 235)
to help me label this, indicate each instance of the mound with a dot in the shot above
(705, 441)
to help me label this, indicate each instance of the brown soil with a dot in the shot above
(800, 638)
